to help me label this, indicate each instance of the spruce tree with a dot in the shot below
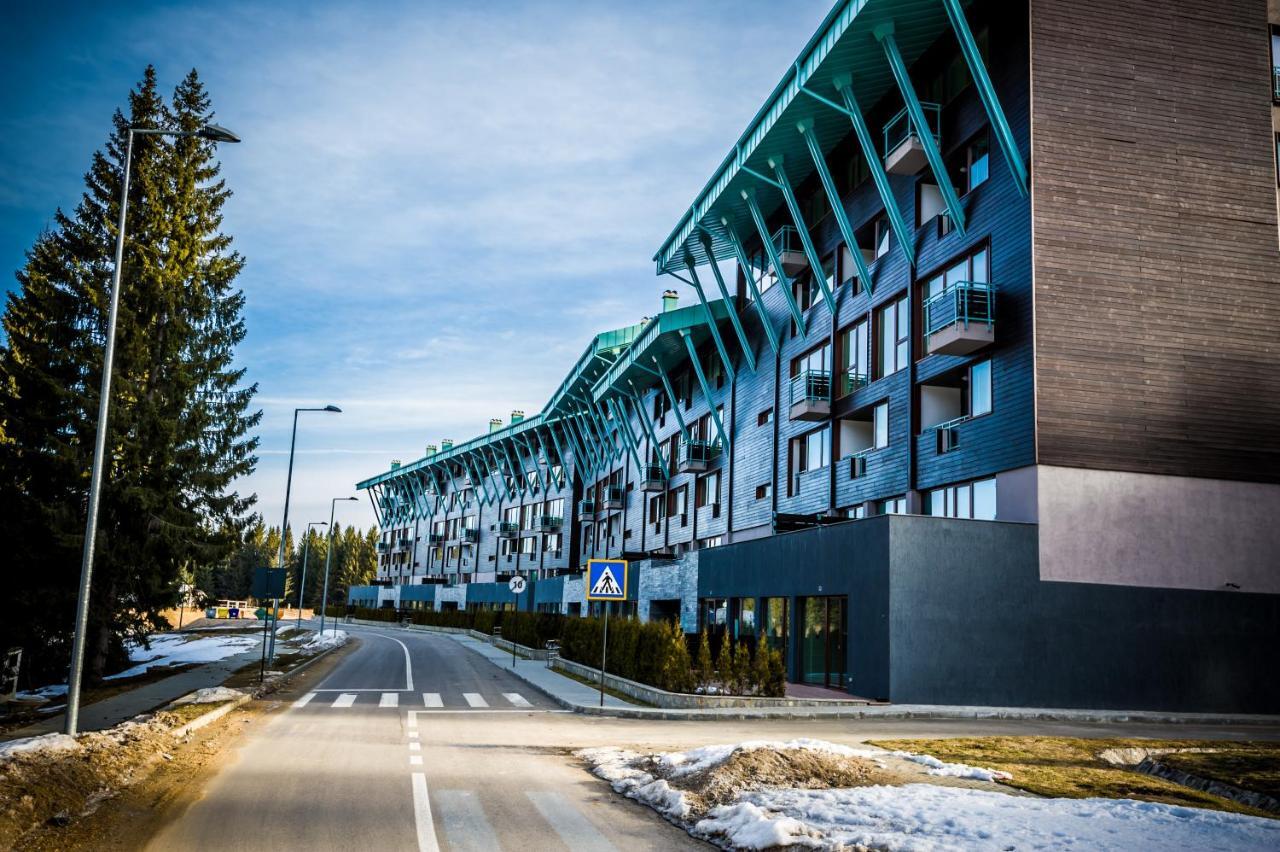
(179, 423)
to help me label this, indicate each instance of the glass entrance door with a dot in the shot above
(823, 641)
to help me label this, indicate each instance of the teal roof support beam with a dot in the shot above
(494, 463)
(609, 446)
(524, 470)
(731, 303)
(533, 459)
(749, 196)
(711, 320)
(802, 230)
(743, 261)
(628, 437)
(574, 429)
(884, 34)
(373, 502)
(594, 435)
(559, 456)
(706, 388)
(675, 403)
(987, 92)
(481, 482)
(419, 498)
(439, 485)
(615, 440)
(503, 454)
(653, 436)
(837, 205)
(844, 85)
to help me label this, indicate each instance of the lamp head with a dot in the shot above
(333, 408)
(217, 133)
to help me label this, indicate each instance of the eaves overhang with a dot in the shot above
(659, 345)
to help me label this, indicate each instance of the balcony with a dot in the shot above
(384, 547)
(811, 395)
(903, 150)
(948, 436)
(548, 523)
(615, 497)
(695, 456)
(960, 319)
(471, 536)
(587, 507)
(508, 529)
(651, 478)
(786, 240)
(435, 538)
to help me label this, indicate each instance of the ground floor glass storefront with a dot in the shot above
(824, 639)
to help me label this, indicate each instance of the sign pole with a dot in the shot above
(604, 651)
(262, 668)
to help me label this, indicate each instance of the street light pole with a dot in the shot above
(284, 525)
(328, 559)
(302, 587)
(213, 133)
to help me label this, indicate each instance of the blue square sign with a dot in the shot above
(607, 580)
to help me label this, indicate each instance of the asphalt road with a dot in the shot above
(414, 742)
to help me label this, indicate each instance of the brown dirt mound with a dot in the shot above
(795, 768)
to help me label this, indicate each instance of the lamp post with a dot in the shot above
(306, 545)
(213, 133)
(328, 558)
(284, 525)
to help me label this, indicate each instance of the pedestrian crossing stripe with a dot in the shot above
(433, 701)
(607, 580)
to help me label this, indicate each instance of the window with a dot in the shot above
(526, 516)
(506, 547)
(764, 417)
(1275, 63)
(976, 500)
(855, 372)
(880, 426)
(809, 452)
(892, 506)
(953, 77)
(980, 389)
(762, 491)
(511, 515)
(856, 512)
(656, 506)
(708, 490)
(528, 545)
(678, 502)
(855, 172)
(892, 329)
(553, 508)
(978, 157)
(815, 359)
(881, 237)
(660, 408)
(713, 541)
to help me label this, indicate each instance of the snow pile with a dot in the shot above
(681, 763)
(55, 690)
(324, 641)
(168, 649)
(927, 817)
(46, 743)
(953, 770)
(211, 695)
(615, 765)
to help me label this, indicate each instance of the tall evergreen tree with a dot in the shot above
(180, 419)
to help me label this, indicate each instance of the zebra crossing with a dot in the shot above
(466, 701)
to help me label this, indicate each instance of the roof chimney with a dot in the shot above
(516, 416)
(395, 464)
(494, 425)
(669, 300)
(446, 444)
(432, 449)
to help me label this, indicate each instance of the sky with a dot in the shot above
(439, 203)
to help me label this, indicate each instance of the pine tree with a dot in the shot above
(724, 664)
(178, 432)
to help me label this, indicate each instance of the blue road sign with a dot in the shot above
(607, 580)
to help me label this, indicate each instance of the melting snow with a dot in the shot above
(169, 649)
(322, 642)
(42, 743)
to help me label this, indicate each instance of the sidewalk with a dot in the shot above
(573, 695)
(125, 705)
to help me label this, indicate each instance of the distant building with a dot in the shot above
(994, 344)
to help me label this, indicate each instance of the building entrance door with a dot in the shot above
(824, 639)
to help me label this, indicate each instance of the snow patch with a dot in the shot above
(953, 770)
(33, 745)
(168, 649)
(211, 695)
(322, 642)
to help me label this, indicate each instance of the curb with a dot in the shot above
(212, 716)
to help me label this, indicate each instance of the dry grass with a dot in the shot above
(1250, 766)
(1067, 767)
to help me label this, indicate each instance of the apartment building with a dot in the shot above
(974, 394)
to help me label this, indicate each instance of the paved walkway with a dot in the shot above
(565, 691)
(125, 705)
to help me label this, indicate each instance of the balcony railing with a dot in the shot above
(695, 456)
(786, 241)
(436, 538)
(548, 523)
(948, 436)
(960, 319)
(508, 529)
(903, 151)
(858, 462)
(384, 547)
(587, 507)
(651, 478)
(615, 497)
(471, 536)
(811, 395)
(849, 381)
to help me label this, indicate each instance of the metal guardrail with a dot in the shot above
(699, 451)
(811, 386)
(898, 129)
(848, 382)
(963, 302)
(786, 239)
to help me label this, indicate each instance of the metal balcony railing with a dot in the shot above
(435, 538)
(615, 497)
(968, 310)
(899, 130)
(849, 381)
(586, 507)
(696, 455)
(471, 536)
(508, 529)
(810, 394)
(651, 478)
(858, 462)
(548, 523)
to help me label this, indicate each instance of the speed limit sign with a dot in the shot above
(517, 585)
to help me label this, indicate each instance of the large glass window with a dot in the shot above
(975, 500)
(880, 425)
(855, 352)
(980, 388)
(816, 359)
(893, 325)
(974, 267)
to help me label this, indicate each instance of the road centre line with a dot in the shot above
(422, 815)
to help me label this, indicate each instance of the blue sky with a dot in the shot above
(439, 202)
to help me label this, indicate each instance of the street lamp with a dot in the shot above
(284, 525)
(328, 558)
(213, 133)
(306, 545)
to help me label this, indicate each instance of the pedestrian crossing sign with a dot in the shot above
(607, 580)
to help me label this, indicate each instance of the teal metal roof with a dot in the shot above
(843, 44)
(660, 340)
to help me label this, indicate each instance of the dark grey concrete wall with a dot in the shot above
(953, 612)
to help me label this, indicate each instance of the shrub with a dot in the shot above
(741, 683)
(703, 671)
(674, 673)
